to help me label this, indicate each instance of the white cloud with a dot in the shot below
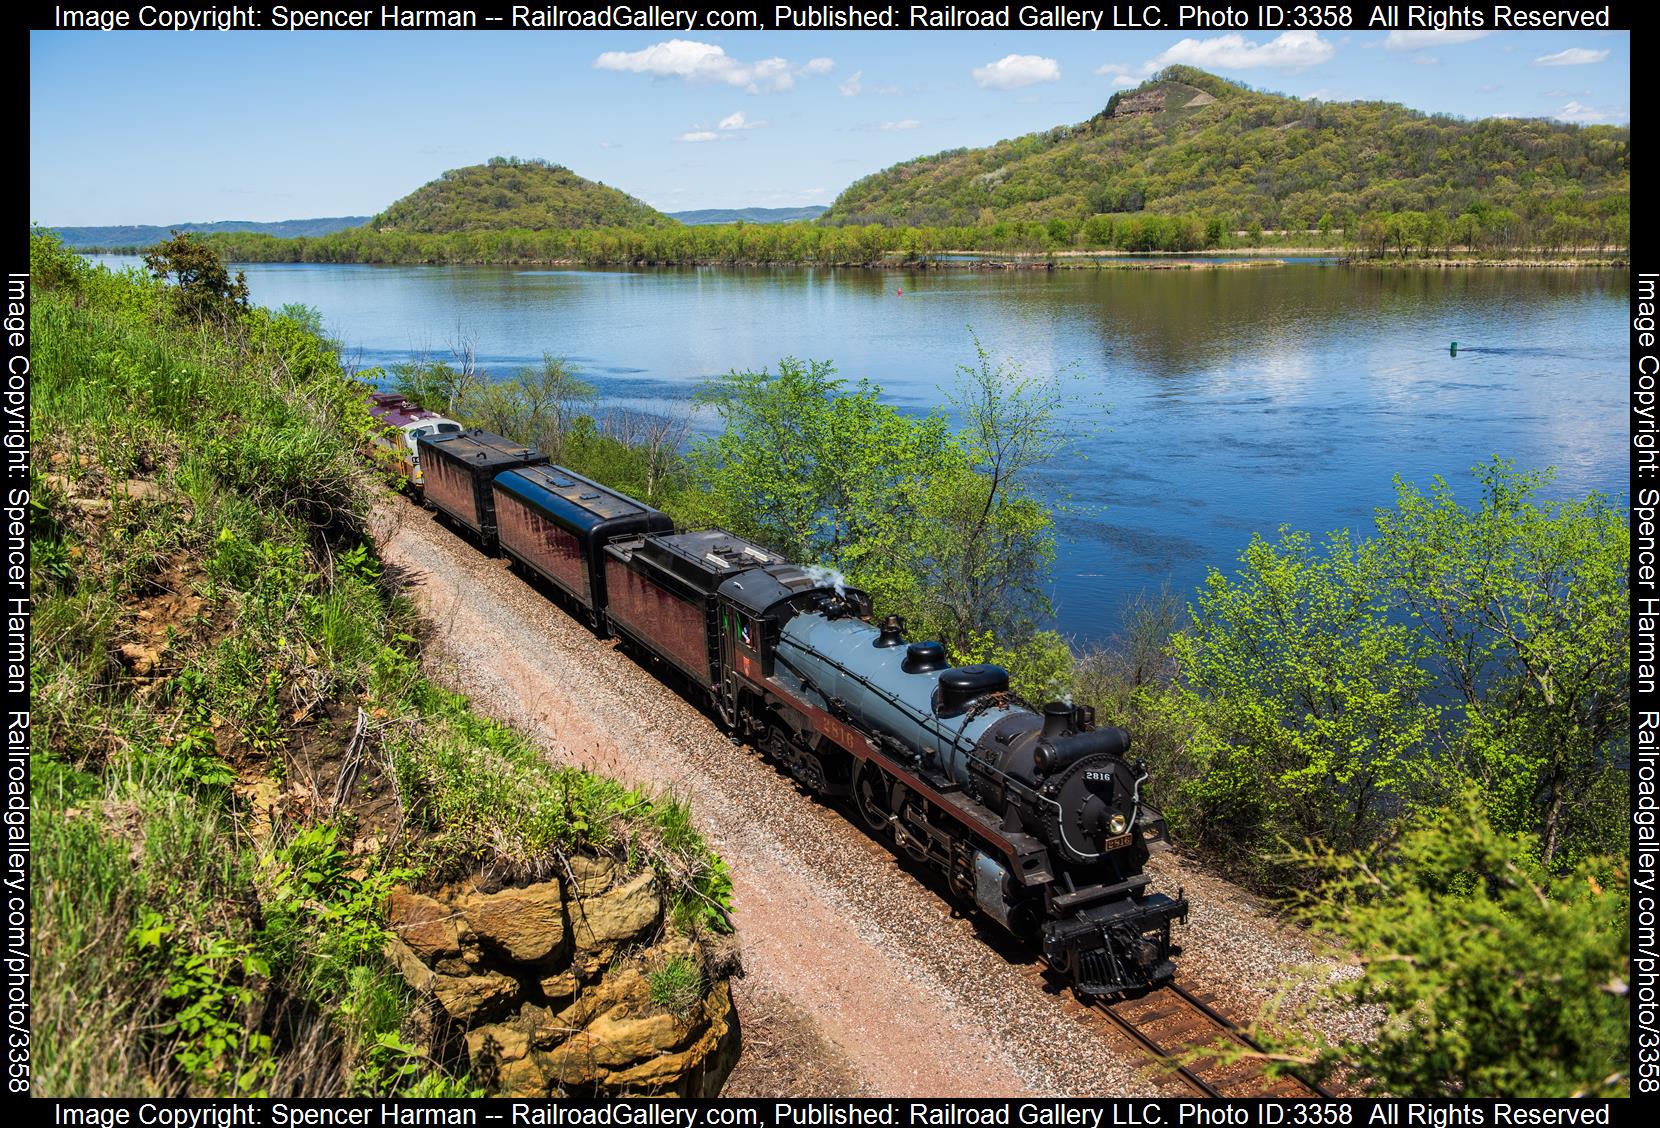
(895, 126)
(1122, 75)
(853, 85)
(1011, 72)
(1291, 50)
(698, 135)
(1426, 60)
(1572, 57)
(1417, 40)
(609, 145)
(1590, 115)
(706, 62)
(738, 121)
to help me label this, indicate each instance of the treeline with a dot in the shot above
(1599, 228)
(1189, 143)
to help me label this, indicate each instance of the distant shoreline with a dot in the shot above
(1232, 259)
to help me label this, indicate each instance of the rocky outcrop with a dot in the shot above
(1158, 99)
(570, 986)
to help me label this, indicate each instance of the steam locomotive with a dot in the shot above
(1038, 817)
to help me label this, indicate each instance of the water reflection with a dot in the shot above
(1237, 399)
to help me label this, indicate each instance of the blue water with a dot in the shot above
(1208, 404)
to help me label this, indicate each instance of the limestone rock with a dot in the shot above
(543, 1018)
(593, 876)
(626, 987)
(698, 1070)
(415, 973)
(502, 1041)
(619, 916)
(569, 1066)
(619, 1038)
(466, 997)
(525, 1077)
(427, 926)
(140, 489)
(527, 923)
(560, 986)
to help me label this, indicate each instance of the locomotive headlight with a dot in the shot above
(1118, 824)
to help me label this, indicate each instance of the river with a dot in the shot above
(1209, 404)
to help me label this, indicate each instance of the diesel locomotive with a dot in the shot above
(1038, 817)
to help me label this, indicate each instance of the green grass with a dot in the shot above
(207, 639)
(484, 793)
(677, 986)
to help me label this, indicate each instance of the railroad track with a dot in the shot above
(1172, 1023)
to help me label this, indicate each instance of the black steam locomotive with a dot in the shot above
(1038, 818)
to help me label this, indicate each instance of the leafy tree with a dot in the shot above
(1525, 606)
(204, 289)
(938, 526)
(434, 384)
(987, 541)
(817, 470)
(1497, 978)
(541, 404)
(1305, 701)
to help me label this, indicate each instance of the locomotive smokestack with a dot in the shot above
(1057, 720)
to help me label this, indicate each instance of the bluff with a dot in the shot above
(1188, 142)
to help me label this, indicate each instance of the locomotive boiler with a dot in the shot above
(1037, 818)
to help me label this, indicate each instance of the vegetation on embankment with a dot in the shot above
(234, 753)
(1417, 737)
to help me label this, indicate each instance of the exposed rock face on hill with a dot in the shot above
(570, 986)
(1157, 99)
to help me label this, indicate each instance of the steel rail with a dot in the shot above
(1171, 1059)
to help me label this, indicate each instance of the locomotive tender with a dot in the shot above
(1037, 817)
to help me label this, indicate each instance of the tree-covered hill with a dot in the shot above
(704, 216)
(1188, 142)
(509, 193)
(142, 235)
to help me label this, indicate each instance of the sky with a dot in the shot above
(163, 128)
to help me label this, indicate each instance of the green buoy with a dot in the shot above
(1454, 350)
